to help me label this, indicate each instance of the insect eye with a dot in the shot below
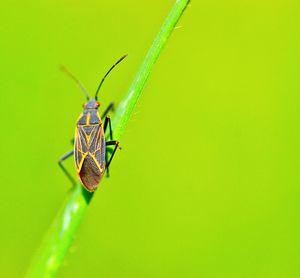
(98, 103)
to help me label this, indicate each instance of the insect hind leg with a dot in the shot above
(62, 158)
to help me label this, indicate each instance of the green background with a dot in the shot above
(207, 183)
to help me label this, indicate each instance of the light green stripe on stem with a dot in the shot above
(60, 235)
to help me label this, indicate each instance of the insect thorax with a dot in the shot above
(89, 117)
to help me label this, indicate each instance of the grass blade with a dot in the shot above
(60, 235)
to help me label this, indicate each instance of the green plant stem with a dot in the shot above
(126, 107)
(60, 235)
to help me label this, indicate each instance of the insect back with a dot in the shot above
(89, 146)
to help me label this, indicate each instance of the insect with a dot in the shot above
(90, 147)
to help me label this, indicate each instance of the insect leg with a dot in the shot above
(107, 169)
(111, 143)
(110, 107)
(64, 157)
(108, 121)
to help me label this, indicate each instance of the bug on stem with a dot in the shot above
(90, 152)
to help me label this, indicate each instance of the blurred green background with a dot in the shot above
(207, 183)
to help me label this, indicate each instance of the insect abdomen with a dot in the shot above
(90, 173)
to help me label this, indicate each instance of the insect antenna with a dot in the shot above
(63, 68)
(123, 57)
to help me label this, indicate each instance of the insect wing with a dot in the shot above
(90, 155)
(80, 149)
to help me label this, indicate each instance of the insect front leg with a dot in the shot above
(110, 107)
(64, 157)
